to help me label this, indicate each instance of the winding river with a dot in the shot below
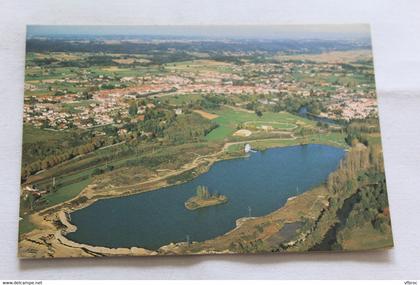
(256, 185)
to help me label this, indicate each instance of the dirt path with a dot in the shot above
(206, 115)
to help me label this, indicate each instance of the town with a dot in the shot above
(86, 98)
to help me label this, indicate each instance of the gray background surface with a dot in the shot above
(396, 42)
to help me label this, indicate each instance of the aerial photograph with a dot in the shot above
(189, 140)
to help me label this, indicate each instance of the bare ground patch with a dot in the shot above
(206, 115)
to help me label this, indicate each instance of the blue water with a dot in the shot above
(263, 181)
(303, 112)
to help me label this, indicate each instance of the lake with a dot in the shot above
(259, 183)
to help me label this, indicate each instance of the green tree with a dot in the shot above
(202, 192)
(133, 109)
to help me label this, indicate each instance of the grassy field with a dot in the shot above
(66, 193)
(229, 120)
(274, 125)
(329, 57)
(199, 66)
(374, 138)
(181, 99)
(71, 107)
(25, 225)
(335, 139)
(32, 135)
(61, 56)
(365, 237)
(69, 190)
(328, 139)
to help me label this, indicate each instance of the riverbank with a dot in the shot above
(50, 241)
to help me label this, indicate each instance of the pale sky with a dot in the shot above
(241, 32)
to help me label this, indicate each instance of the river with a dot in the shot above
(303, 112)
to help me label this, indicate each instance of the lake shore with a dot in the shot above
(49, 239)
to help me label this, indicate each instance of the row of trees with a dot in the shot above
(161, 123)
(202, 192)
(372, 207)
(360, 162)
(357, 131)
(369, 125)
(59, 157)
(212, 102)
(345, 177)
(188, 128)
(293, 104)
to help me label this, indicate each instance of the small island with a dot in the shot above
(204, 198)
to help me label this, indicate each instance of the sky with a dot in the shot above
(355, 31)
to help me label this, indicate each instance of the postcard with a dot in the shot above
(186, 140)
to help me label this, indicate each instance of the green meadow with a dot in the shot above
(229, 120)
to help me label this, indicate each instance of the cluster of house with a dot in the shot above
(46, 115)
(110, 105)
(355, 108)
(72, 113)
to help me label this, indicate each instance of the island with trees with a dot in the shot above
(204, 198)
